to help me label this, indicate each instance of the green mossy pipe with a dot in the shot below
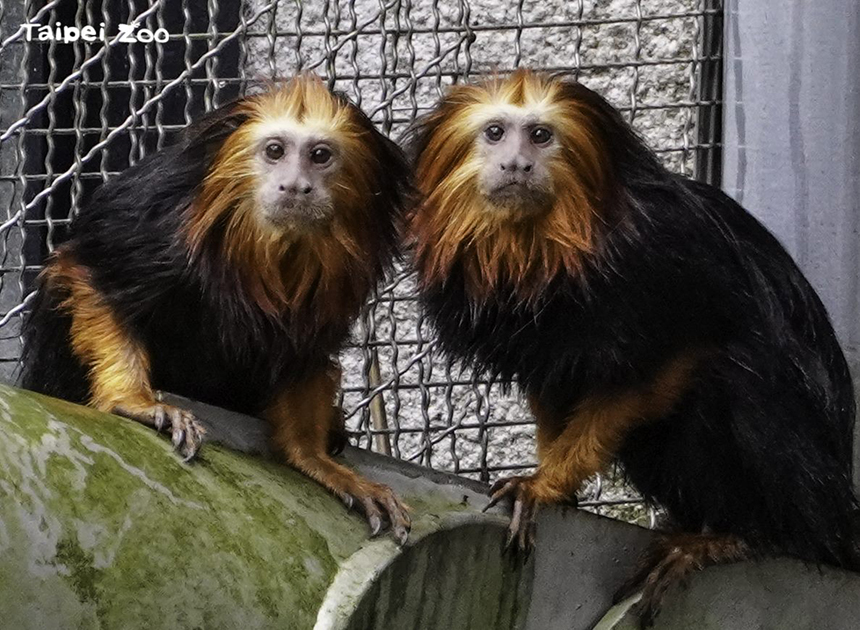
(101, 526)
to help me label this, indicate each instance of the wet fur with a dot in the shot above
(757, 444)
(225, 312)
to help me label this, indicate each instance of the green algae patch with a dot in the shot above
(101, 526)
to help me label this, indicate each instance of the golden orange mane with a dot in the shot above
(335, 266)
(453, 224)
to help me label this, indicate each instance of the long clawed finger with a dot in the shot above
(372, 514)
(383, 510)
(649, 567)
(632, 586)
(648, 606)
(526, 532)
(515, 524)
(498, 484)
(520, 535)
(159, 418)
(186, 433)
(654, 584)
(398, 517)
(499, 490)
(521, 528)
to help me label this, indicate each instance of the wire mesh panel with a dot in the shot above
(74, 113)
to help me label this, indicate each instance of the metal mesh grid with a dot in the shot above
(73, 114)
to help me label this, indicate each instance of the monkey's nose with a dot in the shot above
(517, 165)
(302, 188)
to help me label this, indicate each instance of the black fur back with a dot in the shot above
(205, 338)
(761, 445)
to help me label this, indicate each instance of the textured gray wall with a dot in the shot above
(792, 140)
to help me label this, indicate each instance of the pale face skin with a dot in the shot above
(295, 174)
(516, 149)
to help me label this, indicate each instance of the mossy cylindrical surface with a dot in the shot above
(102, 526)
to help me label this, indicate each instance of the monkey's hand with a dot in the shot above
(526, 494)
(380, 507)
(304, 426)
(186, 432)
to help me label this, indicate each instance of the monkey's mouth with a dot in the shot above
(523, 194)
(511, 188)
(512, 184)
(303, 215)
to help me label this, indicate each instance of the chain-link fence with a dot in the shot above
(74, 113)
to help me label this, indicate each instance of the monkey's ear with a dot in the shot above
(215, 126)
(387, 153)
(419, 133)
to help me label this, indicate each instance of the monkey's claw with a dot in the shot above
(381, 507)
(186, 433)
(524, 505)
(669, 562)
(653, 582)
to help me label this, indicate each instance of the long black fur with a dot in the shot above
(206, 339)
(761, 445)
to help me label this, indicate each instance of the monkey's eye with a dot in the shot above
(494, 133)
(320, 155)
(540, 135)
(274, 151)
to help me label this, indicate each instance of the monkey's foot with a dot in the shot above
(186, 433)
(524, 500)
(670, 561)
(381, 507)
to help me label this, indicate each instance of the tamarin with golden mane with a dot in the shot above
(228, 268)
(647, 317)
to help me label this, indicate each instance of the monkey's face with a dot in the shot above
(303, 164)
(515, 149)
(296, 169)
(513, 173)
(302, 198)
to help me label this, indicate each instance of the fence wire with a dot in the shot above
(73, 114)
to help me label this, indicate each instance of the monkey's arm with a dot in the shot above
(573, 448)
(303, 415)
(117, 365)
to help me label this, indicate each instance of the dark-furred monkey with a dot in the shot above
(648, 318)
(228, 268)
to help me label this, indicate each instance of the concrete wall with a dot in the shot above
(772, 595)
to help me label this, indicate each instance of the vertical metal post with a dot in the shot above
(710, 113)
(792, 141)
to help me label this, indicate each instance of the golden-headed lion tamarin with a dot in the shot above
(647, 317)
(228, 268)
